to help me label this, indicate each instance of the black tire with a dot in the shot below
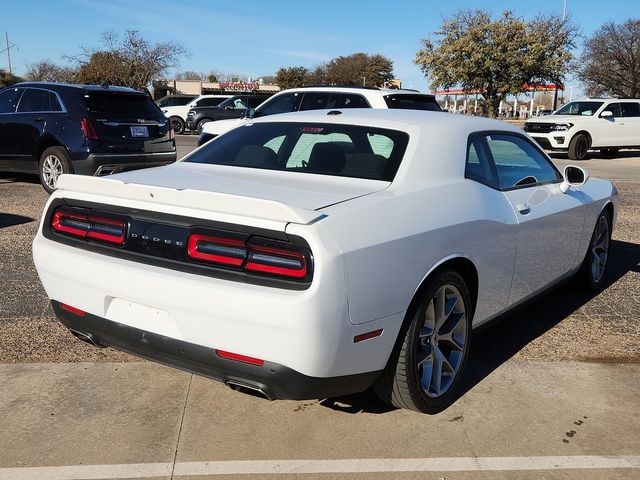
(201, 124)
(609, 152)
(400, 383)
(54, 162)
(589, 276)
(178, 124)
(579, 147)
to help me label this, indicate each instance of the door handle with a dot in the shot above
(524, 208)
(39, 119)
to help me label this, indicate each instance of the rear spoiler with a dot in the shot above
(189, 198)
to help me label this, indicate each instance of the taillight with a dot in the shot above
(88, 130)
(89, 226)
(226, 251)
(172, 133)
(276, 261)
(257, 255)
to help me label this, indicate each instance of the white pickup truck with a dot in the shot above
(603, 124)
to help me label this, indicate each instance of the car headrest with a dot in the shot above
(256, 156)
(326, 158)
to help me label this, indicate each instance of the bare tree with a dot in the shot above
(127, 60)
(47, 71)
(191, 75)
(610, 63)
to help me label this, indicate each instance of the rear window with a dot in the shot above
(122, 104)
(412, 102)
(316, 148)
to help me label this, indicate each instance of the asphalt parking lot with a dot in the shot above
(553, 390)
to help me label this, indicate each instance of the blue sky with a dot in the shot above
(257, 37)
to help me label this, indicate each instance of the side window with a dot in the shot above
(318, 101)
(631, 109)
(34, 101)
(255, 101)
(8, 100)
(352, 100)
(518, 162)
(54, 103)
(239, 104)
(478, 166)
(615, 109)
(280, 104)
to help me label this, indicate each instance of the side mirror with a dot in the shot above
(573, 177)
(606, 114)
(251, 112)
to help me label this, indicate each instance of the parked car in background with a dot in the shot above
(315, 98)
(603, 124)
(52, 129)
(178, 113)
(174, 100)
(315, 254)
(233, 107)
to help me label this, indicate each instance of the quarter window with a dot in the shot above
(519, 163)
(631, 109)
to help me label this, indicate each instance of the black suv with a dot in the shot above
(234, 107)
(51, 129)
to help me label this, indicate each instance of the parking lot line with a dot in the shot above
(282, 467)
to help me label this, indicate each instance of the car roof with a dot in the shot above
(353, 88)
(79, 86)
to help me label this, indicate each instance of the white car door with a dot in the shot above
(550, 222)
(631, 124)
(610, 130)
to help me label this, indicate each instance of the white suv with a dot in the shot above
(320, 98)
(178, 113)
(604, 124)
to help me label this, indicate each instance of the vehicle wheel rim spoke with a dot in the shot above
(441, 341)
(600, 249)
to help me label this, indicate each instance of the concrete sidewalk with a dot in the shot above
(141, 420)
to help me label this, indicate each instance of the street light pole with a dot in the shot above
(564, 11)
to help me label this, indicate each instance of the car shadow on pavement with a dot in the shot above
(9, 220)
(506, 336)
(14, 177)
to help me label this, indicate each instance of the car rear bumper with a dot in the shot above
(272, 380)
(97, 161)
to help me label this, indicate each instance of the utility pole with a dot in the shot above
(8, 49)
(564, 11)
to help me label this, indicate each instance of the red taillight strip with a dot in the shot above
(276, 253)
(73, 310)
(194, 242)
(88, 130)
(239, 358)
(58, 217)
(91, 230)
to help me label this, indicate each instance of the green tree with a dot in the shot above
(360, 69)
(610, 62)
(291, 77)
(7, 79)
(496, 58)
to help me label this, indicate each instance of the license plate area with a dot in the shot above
(139, 131)
(142, 317)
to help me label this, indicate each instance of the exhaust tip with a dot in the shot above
(86, 337)
(248, 388)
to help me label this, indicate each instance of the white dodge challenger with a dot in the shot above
(316, 254)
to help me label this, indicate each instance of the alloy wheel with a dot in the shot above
(51, 170)
(600, 249)
(442, 340)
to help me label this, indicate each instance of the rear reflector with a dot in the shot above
(367, 336)
(239, 358)
(73, 310)
(79, 225)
